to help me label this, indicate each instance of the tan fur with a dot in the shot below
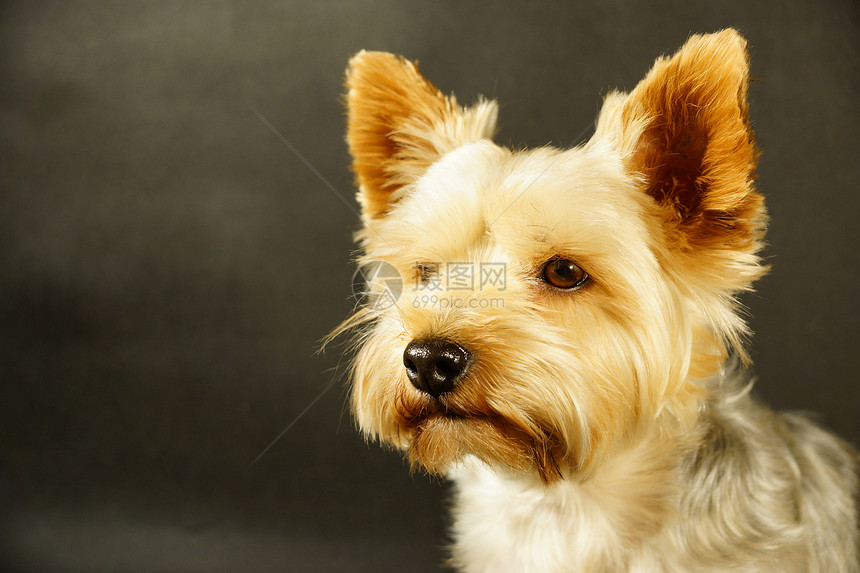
(399, 124)
(686, 129)
(602, 428)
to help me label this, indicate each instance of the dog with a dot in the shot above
(565, 342)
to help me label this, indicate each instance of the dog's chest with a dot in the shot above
(506, 524)
(621, 521)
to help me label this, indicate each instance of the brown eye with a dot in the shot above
(563, 274)
(425, 271)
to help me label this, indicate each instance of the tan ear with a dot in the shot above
(398, 124)
(685, 128)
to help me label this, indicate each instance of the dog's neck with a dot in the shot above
(626, 501)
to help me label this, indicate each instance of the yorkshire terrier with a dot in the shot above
(565, 340)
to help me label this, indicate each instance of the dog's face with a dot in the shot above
(556, 304)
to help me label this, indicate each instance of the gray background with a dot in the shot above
(168, 263)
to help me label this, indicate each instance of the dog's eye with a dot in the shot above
(564, 274)
(425, 271)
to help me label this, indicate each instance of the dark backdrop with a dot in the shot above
(175, 234)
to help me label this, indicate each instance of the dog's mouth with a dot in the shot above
(415, 414)
(443, 432)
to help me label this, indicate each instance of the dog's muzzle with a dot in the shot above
(435, 366)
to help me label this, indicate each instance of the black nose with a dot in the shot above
(435, 366)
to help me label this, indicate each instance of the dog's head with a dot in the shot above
(554, 304)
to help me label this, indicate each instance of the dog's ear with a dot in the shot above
(685, 131)
(398, 124)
